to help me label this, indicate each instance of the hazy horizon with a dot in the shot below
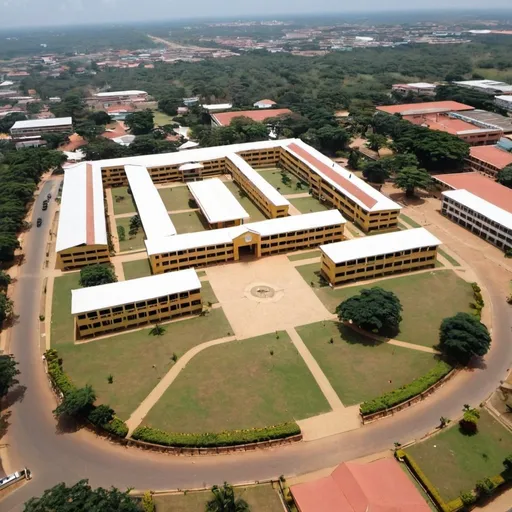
(44, 13)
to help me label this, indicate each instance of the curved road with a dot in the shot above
(54, 456)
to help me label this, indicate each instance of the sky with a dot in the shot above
(16, 13)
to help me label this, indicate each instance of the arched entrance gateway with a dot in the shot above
(247, 244)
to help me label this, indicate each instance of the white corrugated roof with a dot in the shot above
(119, 93)
(217, 203)
(422, 85)
(151, 208)
(218, 106)
(481, 206)
(258, 181)
(133, 290)
(379, 244)
(226, 235)
(42, 123)
(78, 216)
(507, 98)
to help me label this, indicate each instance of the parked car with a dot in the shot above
(39, 222)
(49, 196)
(45, 205)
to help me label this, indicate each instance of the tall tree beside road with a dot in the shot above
(5, 280)
(82, 497)
(224, 500)
(411, 178)
(505, 176)
(76, 402)
(8, 373)
(6, 306)
(141, 122)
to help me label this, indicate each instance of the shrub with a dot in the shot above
(101, 415)
(210, 440)
(468, 423)
(485, 487)
(148, 505)
(94, 275)
(121, 233)
(508, 463)
(406, 392)
(116, 427)
(467, 498)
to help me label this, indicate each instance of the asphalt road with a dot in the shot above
(54, 456)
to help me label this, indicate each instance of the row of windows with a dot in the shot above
(380, 257)
(390, 264)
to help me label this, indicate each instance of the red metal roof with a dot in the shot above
(89, 202)
(428, 107)
(343, 182)
(499, 158)
(225, 118)
(481, 186)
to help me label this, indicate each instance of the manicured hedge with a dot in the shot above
(397, 396)
(211, 440)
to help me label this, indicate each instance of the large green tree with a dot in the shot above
(224, 500)
(141, 122)
(376, 171)
(76, 402)
(6, 306)
(8, 373)
(5, 280)
(374, 309)
(411, 178)
(81, 497)
(505, 176)
(94, 275)
(376, 141)
(463, 336)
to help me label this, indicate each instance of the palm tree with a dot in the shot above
(224, 500)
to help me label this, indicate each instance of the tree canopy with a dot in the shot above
(94, 275)
(81, 497)
(505, 176)
(376, 171)
(463, 336)
(141, 122)
(77, 402)
(8, 373)
(411, 178)
(224, 500)
(374, 309)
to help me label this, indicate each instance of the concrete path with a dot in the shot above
(330, 423)
(299, 263)
(298, 195)
(140, 413)
(293, 211)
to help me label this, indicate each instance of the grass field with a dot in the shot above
(129, 358)
(132, 242)
(135, 269)
(241, 385)
(359, 368)
(454, 462)
(426, 299)
(248, 205)
(273, 176)
(161, 119)
(304, 255)
(124, 205)
(409, 221)
(453, 261)
(261, 498)
(190, 222)
(308, 204)
(207, 293)
(62, 320)
(175, 198)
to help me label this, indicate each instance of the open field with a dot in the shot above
(359, 368)
(304, 255)
(161, 119)
(125, 203)
(190, 222)
(453, 261)
(132, 242)
(308, 204)
(175, 198)
(207, 293)
(454, 462)
(273, 176)
(426, 299)
(136, 269)
(62, 320)
(137, 360)
(261, 498)
(248, 205)
(241, 385)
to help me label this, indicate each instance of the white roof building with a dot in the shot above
(376, 245)
(216, 107)
(227, 235)
(133, 290)
(113, 94)
(488, 86)
(42, 123)
(153, 213)
(82, 212)
(264, 104)
(217, 203)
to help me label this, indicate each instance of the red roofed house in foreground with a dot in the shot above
(260, 116)
(379, 486)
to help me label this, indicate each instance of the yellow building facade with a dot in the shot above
(81, 256)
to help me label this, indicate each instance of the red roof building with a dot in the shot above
(379, 486)
(431, 107)
(489, 160)
(260, 116)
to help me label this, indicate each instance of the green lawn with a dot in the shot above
(201, 273)
(454, 462)
(190, 222)
(255, 213)
(125, 203)
(135, 269)
(273, 176)
(207, 293)
(426, 298)
(240, 385)
(308, 204)
(453, 261)
(62, 320)
(261, 498)
(161, 119)
(409, 221)
(175, 198)
(359, 368)
(304, 255)
(129, 358)
(132, 242)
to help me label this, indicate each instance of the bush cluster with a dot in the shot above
(478, 303)
(404, 393)
(211, 440)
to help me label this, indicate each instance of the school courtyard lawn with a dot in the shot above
(255, 382)
(136, 360)
(358, 368)
(161, 119)
(426, 298)
(207, 293)
(261, 498)
(255, 213)
(62, 324)
(123, 202)
(274, 176)
(308, 204)
(175, 198)
(132, 242)
(304, 255)
(454, 462)
(136, 269)
(190, 222)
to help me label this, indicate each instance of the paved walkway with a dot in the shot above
(309, 261)
(140, 413)
(298, 195)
